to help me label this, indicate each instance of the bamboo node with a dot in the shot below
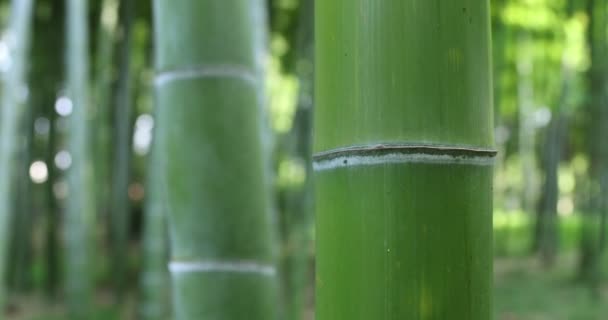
(380, 154)
(251, 267)
(221, 71)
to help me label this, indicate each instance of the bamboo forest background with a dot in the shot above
(83, 231)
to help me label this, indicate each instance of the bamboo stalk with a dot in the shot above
(23, 207)
(80, 209)
(154, 280)
(595, 217)
(210, 117)
(14, 95)
(52, 244)
(103, 79)
(404, 154)
(121, 169)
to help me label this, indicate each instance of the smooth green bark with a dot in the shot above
(208, 88)
(154, 282)
(47, 75)
(80, 209)
(103, 79)
(121, 168)
(593, 237)
(403, 164)
(52, 245)
(14, 95)
(23, 218)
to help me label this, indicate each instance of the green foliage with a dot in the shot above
(556, 36)
(514, 230)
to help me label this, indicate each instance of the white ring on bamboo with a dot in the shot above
(203, 72)
(222, 266)
(398, 158)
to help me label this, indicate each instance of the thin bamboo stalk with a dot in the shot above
(154, 281)
(208, 86)
(14, 95)
(22, 225)
(595, 217)
(80, 209)
(121, 169)
(404, 154)
(103, 79)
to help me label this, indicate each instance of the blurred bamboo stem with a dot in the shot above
(80, 211)
(13, 104)
(213, 168)
(121, 168)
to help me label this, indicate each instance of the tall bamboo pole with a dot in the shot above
(103, 79)
(527, 139)
(208, 87)
(403, 163)
(154, 279)
(121, 169)
(14, 95)
(593, 241)
(80, 210)
(23, 218)
(52, 245)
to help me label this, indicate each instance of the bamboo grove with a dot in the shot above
(302, 159)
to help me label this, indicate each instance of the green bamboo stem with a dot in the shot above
(120, 204)
(13, 107)
(154, 280)
(593, 237)
(525, 97)
(547, 236)
(296, 261)
(47, 76)
(103, 79)
(52, 245)
(404, 153)
(208, 86)
(80, 210)
(22, 229)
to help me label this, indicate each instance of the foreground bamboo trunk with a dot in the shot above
(14, 94)
(80, 210)
(404, 153)
(207, 87)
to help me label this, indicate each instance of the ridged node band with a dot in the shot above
(380, 154)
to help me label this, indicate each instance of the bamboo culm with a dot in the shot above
(13, 103)
(121, 173)
(209, 94)
(102, 85)
(154, 282)
(80, 208)
(403, 160)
